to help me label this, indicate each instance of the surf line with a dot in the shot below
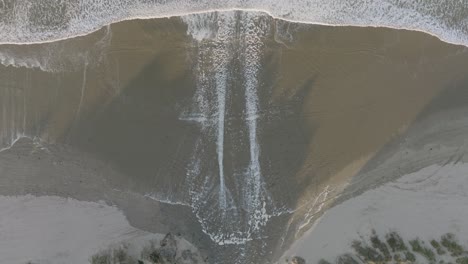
(15, 37)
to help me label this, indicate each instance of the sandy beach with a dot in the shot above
(426, 204)
(238, 136)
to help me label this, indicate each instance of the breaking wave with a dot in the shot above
(31, 21)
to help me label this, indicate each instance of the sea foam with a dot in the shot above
(31, 21)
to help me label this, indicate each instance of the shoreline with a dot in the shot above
(254, 10)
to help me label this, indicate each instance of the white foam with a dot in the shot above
(58, 56)
(13, 116)
(225, 30)
(222, 39)
(30, 21)
(83, 88)
(315, 208)
(165, 200)
(253, 30)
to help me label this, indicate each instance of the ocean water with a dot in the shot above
(28, 21)
(243, 120)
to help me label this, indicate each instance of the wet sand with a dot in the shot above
(111, 109)
(367, 95)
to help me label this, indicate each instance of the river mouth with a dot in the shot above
(234, 129)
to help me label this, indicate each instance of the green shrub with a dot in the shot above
(298, 260)
(346, 259)
(102, 258)
(155, 257)
(381, 246)
(395, 242)
(394, 250)
(463, 260)
(438, 247)
(426, 252)
(410, 256)
(367, 253)
(448, 241)
(113, 256)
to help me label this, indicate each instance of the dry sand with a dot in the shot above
(51, 229)
(426, 204)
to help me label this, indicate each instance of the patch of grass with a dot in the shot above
(426, 252)
(121, 256)
(102, 258)
(346, 259)
(381, 246)
(155, 257)
(448, 241)
(395, 250)
(151, 253)
(367, 253)
(438, 247)
(403, 257)
(298, 260)
(397, 258)
(113, 256)
(410, 257)
(395, 242)
(462, 260)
